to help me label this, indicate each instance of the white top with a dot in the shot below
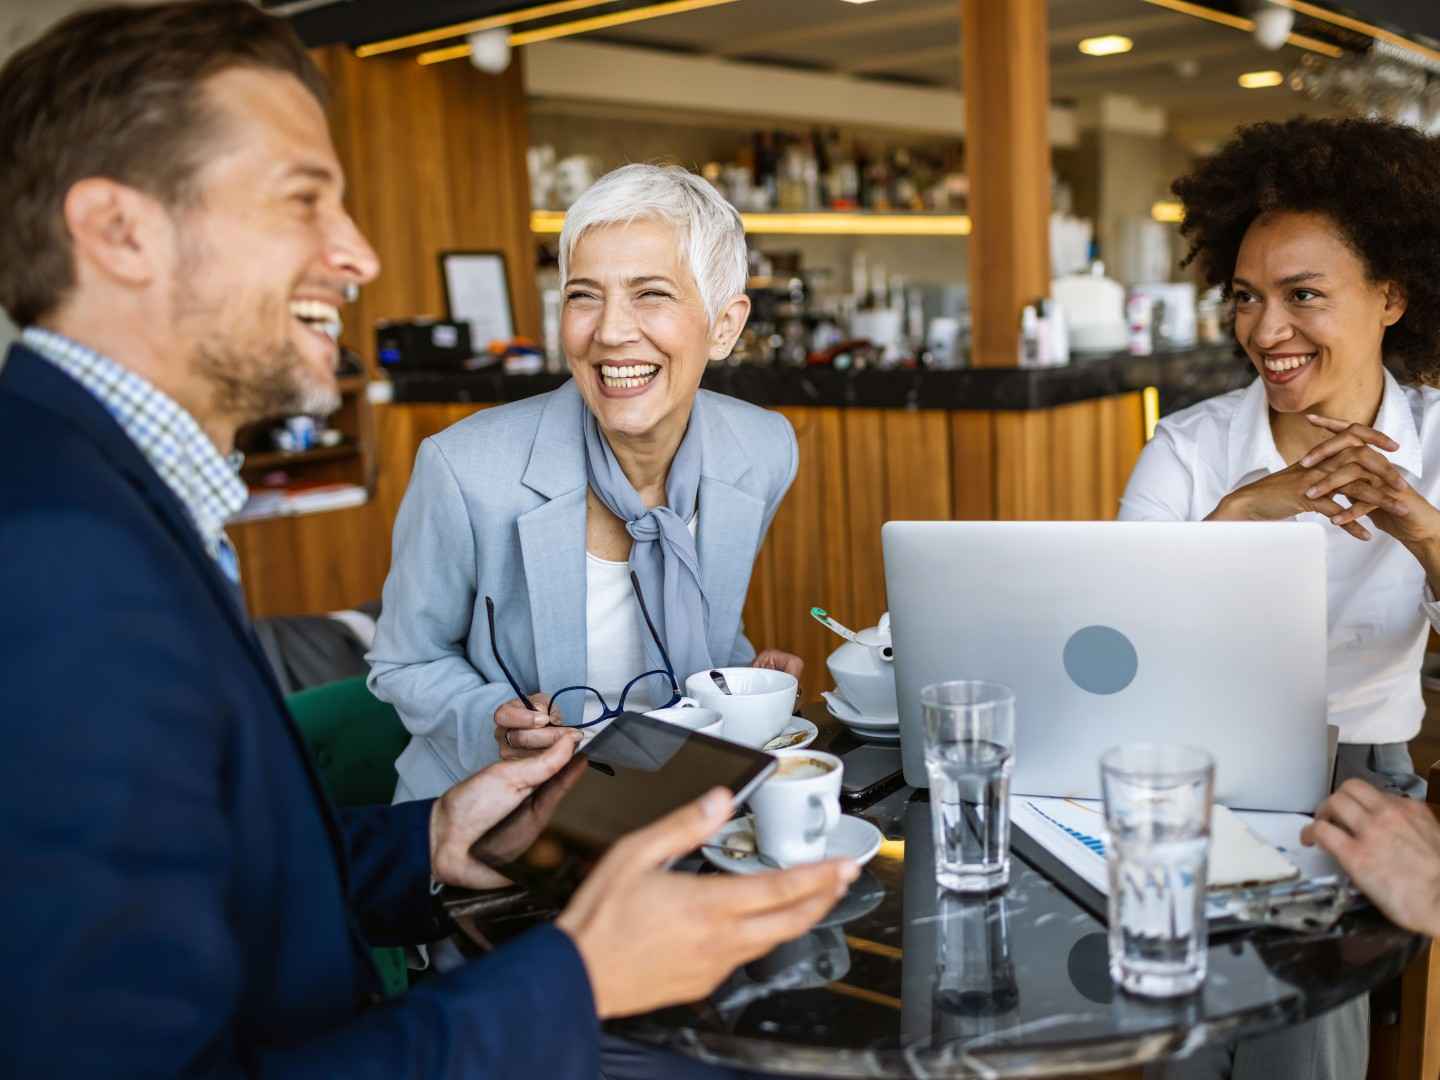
(1376, 594)
(616, 640)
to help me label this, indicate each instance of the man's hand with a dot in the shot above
(1390, 847)
(651, 937)
(776, 660)
(470, 809)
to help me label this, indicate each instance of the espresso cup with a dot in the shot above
(692, 717)
(758, 706)
(797, 808)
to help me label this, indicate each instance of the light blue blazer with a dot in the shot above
(496, 507)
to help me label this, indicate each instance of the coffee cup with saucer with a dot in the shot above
(757, 706)
(692, 716)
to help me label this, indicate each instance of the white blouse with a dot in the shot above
(1377, 598)
(616, 640)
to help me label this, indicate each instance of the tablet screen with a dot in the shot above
(634, 772)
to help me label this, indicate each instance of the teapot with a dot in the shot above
(863, 668)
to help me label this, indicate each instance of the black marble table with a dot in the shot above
(903, 979)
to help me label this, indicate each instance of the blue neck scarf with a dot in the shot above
(663, 556)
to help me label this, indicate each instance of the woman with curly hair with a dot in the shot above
(1325, 236)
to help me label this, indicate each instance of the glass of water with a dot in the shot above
(969, 756)
(1157, 812)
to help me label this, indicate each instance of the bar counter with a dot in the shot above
(880, 445)
(1182, 377)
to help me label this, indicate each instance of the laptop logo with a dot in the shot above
(1101, 660)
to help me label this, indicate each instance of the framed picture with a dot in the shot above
(477, 291)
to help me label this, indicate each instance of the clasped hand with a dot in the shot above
(1348, 464)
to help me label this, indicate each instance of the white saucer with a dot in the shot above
(853, 838)
(798, 733)
(848, 715)
(879, 735)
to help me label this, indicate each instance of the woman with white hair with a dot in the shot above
(605, 530)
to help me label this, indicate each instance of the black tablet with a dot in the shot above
(633, 773)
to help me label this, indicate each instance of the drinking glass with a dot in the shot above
(969, 756)
(1157, 811)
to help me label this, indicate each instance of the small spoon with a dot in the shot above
(736, 853)
(784, 741)
(822, 616)
(719, 681)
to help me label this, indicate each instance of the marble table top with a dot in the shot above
(904, 979)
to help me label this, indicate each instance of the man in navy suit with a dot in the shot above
(180, 896)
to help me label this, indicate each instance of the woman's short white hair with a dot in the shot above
(708, 228)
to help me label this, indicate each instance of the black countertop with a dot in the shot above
(905, 980)
(1182, 377)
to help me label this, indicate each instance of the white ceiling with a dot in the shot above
(1182, 64)
(917, 41)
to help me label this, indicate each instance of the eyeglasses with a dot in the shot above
(651, 684)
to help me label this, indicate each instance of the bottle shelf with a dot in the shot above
(276, 459)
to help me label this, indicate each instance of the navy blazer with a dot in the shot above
(180, 895)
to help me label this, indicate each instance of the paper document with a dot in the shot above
(1248, 848)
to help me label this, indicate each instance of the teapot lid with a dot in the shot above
(875, 636)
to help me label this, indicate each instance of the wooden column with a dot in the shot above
(1007, 155)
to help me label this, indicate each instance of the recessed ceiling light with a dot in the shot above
(1108, 45)
(859, 1)
(1258, 80)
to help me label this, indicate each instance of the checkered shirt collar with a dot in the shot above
(207, 483)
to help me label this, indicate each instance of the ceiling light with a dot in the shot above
(1170, 212)
(429, 37)
(579, 26)
(859, 1)
(1258, 80)
(1300, 41)
(1108, 45)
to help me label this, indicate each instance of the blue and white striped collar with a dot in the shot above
(207, 483)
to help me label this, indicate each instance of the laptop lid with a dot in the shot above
(1207, 633)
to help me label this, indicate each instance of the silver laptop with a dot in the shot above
(1109, 632)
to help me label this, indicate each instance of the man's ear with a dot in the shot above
(1395, 303)
(115, 232)
(728, 325)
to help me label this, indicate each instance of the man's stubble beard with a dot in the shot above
(249, 379)
(256, 383)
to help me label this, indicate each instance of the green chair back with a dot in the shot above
(354, 739)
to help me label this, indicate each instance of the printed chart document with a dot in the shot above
(1248, 848)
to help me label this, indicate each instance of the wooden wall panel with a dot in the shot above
(858, 469)
(400, 431)
(917, 465)
(1022, 466)
(1129, 413)
(435, 159)
(972, 465)
(865, 475)
(1074, 468)
(314, 562)
(805, 560)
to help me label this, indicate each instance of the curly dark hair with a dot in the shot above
(1379, 182)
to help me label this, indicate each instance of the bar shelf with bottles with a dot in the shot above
(786, 183)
